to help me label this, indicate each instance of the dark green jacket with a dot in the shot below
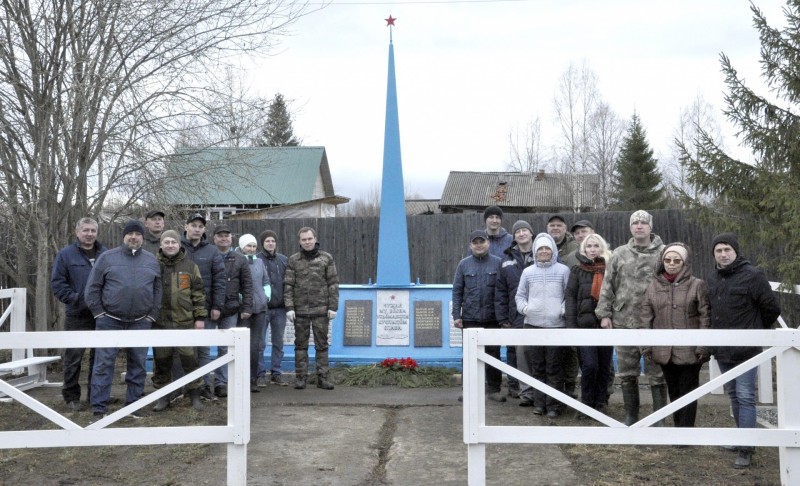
(183, 299)
(311, 284)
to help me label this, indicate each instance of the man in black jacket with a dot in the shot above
(741, 298)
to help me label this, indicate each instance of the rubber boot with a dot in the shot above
(195, 396)
(322, 382)
(630, 397)
(660, 400)
(162, 403)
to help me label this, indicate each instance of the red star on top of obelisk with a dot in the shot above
(390, 20)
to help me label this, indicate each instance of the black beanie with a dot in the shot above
(492, 210)
(263, 236)
(131, 226)
(728, 239)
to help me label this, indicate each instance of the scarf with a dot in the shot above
(670, 278)
(598, 268)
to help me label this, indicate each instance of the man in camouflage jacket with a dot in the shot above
(311, 295)
(628, 273)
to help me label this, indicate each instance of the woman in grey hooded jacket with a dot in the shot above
(540, 298)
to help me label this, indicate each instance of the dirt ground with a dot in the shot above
(163, 465)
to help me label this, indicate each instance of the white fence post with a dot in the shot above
(239, 409)
(19, 304)
(788, 364)
(474, 406)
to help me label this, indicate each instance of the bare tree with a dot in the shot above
(575, 102)
(696, 120)
(525, 149)
(91, 100)
(604, 138)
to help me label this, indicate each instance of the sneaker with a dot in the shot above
(138, 414)
(74, 406)
(175, 396)
(496, 397)
(262, 382)
(206, 394)
(221, 391)
(97, 416)
(552, 414)
(538, 410)
(276, 379)
(743, 459)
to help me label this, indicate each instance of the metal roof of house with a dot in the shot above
(422, 206)
(515, 190)
(249, 175)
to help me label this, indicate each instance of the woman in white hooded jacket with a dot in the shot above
(540, 298)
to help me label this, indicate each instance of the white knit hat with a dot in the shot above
(247, 239)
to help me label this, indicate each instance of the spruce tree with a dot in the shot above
(760, 200)
(278, 131)
(638, 183)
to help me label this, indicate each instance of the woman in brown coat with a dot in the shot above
(677, 300)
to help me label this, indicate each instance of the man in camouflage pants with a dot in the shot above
(311, 295)
(628, 273)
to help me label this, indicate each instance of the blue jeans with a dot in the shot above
(204, 352)
(104, 359)
(742, 392)
(255, 323)
(276, 322)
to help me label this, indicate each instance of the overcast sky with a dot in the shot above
(468, 73)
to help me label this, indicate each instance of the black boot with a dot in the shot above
(195, 396)
(630, 397)
(322, 382)
(301, 382)
(660, 400)
(162, 403)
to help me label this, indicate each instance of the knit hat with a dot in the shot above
(541, 242)
(728, 239)
(581, 224)
(245, 240)
(266, 234)
(642, 216)
(679, 249)
(521, 225)
(478, 234)
(492, 210)
(170, 234)
(131, 226)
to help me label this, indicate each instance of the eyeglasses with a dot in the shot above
(673, 261)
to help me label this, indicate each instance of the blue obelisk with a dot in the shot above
(393, 263)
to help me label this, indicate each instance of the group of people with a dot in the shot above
(160, 279)
(572, 279)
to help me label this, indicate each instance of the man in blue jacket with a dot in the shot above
(123, 293)
(275, 264)
(473, 300)
(70, 272)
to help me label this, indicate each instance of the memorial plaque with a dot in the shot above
(357, 322)
(393, 318)
(428, 323)
(456, 337)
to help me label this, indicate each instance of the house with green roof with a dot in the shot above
(253, 182)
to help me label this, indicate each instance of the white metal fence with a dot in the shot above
(236, 433)
(781, 344)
